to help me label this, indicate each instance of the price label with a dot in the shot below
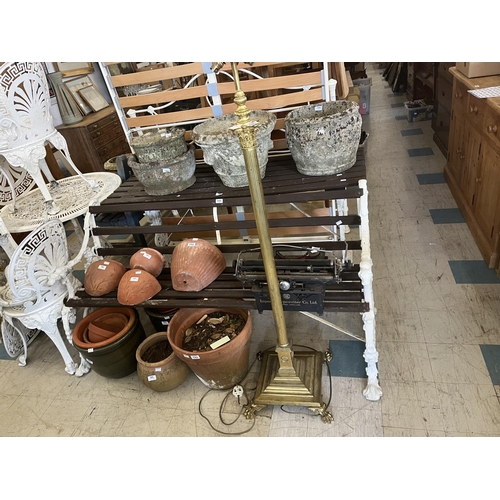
(191, 244)
(165, 322)
(106, 263)
(166, 170)
(151, 378)
(146, 255)
(103, 268)
(158, 369)
(318, 108)
(195, 356)
(219, 201)
(90, 349)
(134, 278)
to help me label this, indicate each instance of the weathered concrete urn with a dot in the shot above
(221, 146)
(159, 145)
(166, 176)
(323, 138)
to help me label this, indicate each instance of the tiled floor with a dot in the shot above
(438, 336)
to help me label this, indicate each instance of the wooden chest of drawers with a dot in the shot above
(96, 139)
(441, 114)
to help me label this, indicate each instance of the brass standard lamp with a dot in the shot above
(286, 377)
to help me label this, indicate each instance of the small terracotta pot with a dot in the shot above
(136, 286)
(163, 375)
(103, 277)
(148, 259)
(195, 264)
(106, 326)
(218, 369)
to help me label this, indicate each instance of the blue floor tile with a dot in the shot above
(412, 131)
(347, 359)
(397, 104)
(446, 216)
(491, 355)
(473, 272)
(420, 152)
(400, 117)
(4, 355)
(79, 274)
(437, 178)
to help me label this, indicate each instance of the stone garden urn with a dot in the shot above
(324, 138)
(221, 146)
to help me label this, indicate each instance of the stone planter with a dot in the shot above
(324, 138)
(162, 375)
(218, 369)
(166, 177)
(159, 145)
(221, 146)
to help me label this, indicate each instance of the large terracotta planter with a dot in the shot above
(114, 358)
(163, 375)
(324, 138)
(218, 369)
(221, 146)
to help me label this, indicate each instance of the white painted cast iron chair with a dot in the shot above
(39, 279)
(26, 125)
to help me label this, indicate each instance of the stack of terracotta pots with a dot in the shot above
(163, 163)
(108, 338)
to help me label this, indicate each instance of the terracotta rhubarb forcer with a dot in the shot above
(148, 259)
(136, 286)
(103, 277)
(220, 368)
(195, 264)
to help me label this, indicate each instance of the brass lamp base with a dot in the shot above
(298, 386)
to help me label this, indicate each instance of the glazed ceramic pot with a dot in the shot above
(221, 146)
(220, 368)
(148, 259)
(160, 318)
(159, 145)
(103, 277)
(161, 375)
(166, 176)
(114, 358)
(324, 138)
(136, 286)
(195, 264)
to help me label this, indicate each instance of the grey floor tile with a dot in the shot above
(420, 152)
(474, 271)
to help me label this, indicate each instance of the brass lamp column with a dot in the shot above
(286, 378)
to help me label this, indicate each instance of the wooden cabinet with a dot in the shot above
(473, 162)
(96, 139)
(441, 113)
(420, 81)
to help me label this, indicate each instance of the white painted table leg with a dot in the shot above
(372, 392)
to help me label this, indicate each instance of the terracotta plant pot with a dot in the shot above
(221, 146)
(218, 369)
(159, 145)
(160, 318)
(114, 358)
(103, 277)
(148, 259)
(166, 176)
(195, 264)
(163, 375)
(106, 326)
(324, 138)
(136, 286)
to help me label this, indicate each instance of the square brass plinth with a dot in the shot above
(302, 388)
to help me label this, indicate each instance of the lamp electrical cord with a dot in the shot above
(245, 395)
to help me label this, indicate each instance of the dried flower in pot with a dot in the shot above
(103, 277)
(148, 259)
